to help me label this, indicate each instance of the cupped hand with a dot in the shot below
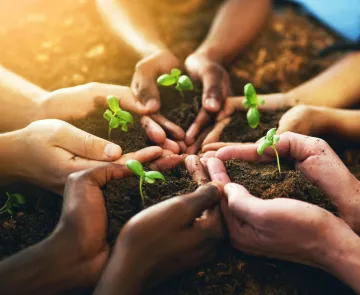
(47, 151)
(216, 87)
(82, 226)
(146, 73)
(75, 103)
(318, 162)
(145, 255)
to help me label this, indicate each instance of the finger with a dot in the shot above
(97, 176)
(153, 130)
(195, 147)
(241, 204)
(205, 158)
(170, 128)
(144, 155)
(216, 146)
(202, 120)
(214, 134)
(213, 89)
(210, 223)
(167, 161)
(194, 204)
(171, 146)
(217, 171)
(231, 105)
(196, 169)
(145, 89)
(182, 146)
(86, 145)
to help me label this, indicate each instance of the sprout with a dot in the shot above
(13, 201)
(252, 102)
(148, 176)
(270, 140)
(116, 116)
(182, 82)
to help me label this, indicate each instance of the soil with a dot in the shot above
(282, 57)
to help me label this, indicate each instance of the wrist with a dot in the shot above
(212, 54)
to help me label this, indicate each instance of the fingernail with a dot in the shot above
(152, 104)
(212, 103)
(112, 151)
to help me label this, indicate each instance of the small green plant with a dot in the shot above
(270, 140)
(252, 102)
(13, 201)
(148, 176)
(116, 116)
(182, 82)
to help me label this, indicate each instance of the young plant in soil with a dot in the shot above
(252, 102)
(270, 140)
(182, 82)
(116, 116)
(149, 176)
(13, 202)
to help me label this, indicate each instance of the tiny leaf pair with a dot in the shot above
(13, 201)
(182, 82)
(270, 140)
(149, 176)
(116, 116)
(252, 102)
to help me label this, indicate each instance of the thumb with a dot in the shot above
(86, 145)
(241, 203)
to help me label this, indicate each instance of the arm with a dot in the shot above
(236, 24)
(20, 100)
(130, 21)
(338, 86)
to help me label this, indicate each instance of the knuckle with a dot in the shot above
(182, 205)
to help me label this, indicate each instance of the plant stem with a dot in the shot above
(277, 158)
(109, 133)
(182, 95)
(141, 190)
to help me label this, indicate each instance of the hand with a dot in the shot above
(216, 87)
(144, 255)
(318, 162)
(274, 228)
(146, 72)
(78, 102)
(72, 257)
(47, 151)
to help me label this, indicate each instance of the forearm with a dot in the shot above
(39, 270)
(235, 25)
(337, 86)
(20, 101)
(130, 21)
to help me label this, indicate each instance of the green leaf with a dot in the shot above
(185, 83)
(108, 115)
(250, 94)
(276, 139)
(166, 80)
(155, 175)
(149, 180)
(125, 127)
(261, 101)
(253, 117)
(263, 145)
(10, 212)
(20, 198)
(270, 134)
(245, 103)
(176, 73)
(125, 116)
(114, 123)
(136, 167)
(113, 103)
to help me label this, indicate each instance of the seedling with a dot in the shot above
(252, 102)
(270, 140)
(116, 116)
(13, 201)
(182, 82)
(148, 176)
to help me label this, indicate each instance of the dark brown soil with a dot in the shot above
(70, 45)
